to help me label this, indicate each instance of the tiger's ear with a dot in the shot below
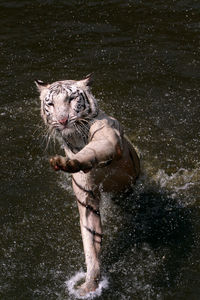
(89, 79)
(41, 85)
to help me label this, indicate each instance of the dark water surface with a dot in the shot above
(145, 56)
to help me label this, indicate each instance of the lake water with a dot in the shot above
(145, 57)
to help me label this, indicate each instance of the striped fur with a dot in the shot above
(70, 100)
(98, 155)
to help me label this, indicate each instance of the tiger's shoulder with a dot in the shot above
(104, 123)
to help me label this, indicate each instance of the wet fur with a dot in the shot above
(98, 155)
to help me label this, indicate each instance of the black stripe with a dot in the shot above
(87, 206)
(96, 132)
(87, 100)
(93, 232)
(90, 192)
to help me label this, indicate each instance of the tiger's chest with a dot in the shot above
(73, 144)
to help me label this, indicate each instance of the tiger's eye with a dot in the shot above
(71, 98)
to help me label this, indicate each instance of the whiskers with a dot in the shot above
(46, 135)
(82, 126)
(50, 136)
(75, 135)
(39, 127)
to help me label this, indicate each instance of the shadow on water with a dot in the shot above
(151, 220)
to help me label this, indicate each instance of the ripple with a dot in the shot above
(71, 283)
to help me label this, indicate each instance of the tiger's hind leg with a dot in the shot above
(91, 231)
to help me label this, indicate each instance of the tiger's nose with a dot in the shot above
(63, 121)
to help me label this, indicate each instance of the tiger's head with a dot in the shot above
(67, 105)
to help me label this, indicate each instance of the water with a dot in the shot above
(145, 56)
(73, 281)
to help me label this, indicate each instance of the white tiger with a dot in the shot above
(97, 153)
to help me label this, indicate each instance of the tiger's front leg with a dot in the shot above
(91, 229)
(65, 164)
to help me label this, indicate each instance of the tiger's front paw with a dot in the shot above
(62, 163)
(58, 162)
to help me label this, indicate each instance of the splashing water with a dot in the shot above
(72, 282)
(180, 180)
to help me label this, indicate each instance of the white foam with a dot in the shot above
(183, 179)
(103, 284)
